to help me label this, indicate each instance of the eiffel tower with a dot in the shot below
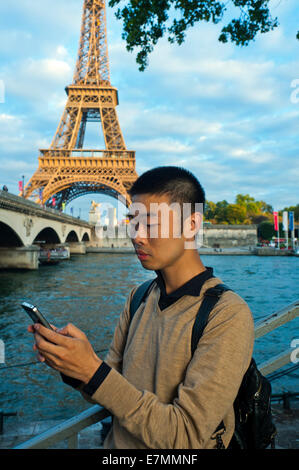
(67, 170)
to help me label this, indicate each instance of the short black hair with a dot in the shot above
(179, 184)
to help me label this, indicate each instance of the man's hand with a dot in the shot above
(67, 350)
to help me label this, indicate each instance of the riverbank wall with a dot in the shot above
(212, 237)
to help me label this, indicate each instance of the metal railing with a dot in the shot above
(69, 429)
(46, 154)
(272, 322)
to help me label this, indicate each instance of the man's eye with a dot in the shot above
(134, 225)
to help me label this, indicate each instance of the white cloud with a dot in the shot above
(17, 166)
(61, 51)
(4, 118)
(47, 69)
(37, 83)
(162, 146)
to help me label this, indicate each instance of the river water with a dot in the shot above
(90, 292)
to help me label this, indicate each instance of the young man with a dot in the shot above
(160, 396)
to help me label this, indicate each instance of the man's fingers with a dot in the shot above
(40, 357)
(45, 346)
(52, 336)
(73, 331)
(31, 328)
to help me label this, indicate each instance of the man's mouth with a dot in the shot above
(141, 254)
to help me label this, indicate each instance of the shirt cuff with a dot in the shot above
(75, 383)
(96, 380)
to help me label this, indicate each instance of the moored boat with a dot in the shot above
(53, 255)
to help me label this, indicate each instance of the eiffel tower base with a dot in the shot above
(66, 175)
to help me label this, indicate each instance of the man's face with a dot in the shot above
(155, 231)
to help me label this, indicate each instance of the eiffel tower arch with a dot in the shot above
(67, 170)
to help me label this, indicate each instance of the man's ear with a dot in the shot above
(196, 221)
(192, 225)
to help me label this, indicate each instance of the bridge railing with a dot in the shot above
(69, 429)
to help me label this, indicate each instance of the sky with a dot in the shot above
(228, 114)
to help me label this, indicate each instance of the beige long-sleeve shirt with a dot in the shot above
(160, 396)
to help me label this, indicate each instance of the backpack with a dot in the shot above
(254, 427)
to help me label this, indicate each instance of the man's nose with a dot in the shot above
(139, 234)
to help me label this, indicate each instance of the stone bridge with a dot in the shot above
(24, 224)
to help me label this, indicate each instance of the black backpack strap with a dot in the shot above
(211, 297)
(139, 296)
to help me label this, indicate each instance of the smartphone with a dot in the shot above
(35, 315)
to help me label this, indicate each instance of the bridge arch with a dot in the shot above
(47, 235)
(8, 237)
(85, 237)
(72, 237)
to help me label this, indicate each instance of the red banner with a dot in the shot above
(20, 186)
(275, 221)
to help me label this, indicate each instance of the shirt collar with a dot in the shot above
(191, 287)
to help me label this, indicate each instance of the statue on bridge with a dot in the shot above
(94, 213)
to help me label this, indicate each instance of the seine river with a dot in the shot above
(90, 292)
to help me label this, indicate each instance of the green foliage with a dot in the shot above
(294, 209)
(245, 210)
(146, 21)
(266, 230)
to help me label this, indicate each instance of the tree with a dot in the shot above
(257, 219)
(236, 214)
(294, 209)
(210, 210)
(146, 21)
(266, 230)
(252, 207)
(246, 210)
(221, 212)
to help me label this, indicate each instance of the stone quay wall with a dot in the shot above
(214, 236)
(229, 236)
